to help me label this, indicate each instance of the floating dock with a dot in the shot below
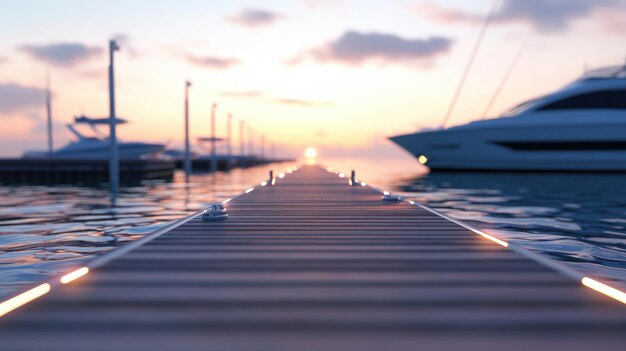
(313, 263)
(225, 164)
(80, 172)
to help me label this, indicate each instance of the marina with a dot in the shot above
(313, 175)
(318, 256)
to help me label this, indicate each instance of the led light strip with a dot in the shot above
(604, 289)
(23, 298)
(557, 266)
(70, 277)
(40, 290)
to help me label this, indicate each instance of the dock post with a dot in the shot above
(271, 180)
(213, 151)
(114, 162)
(229, 147)
(353, 178)
(187, 161)
(242, 144)
(251, 145)
(262, 148)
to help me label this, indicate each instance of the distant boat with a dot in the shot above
(581, 127)
(97, 146)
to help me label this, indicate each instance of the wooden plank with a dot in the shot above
(314, 264)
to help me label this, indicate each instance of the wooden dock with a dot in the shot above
(315, 264)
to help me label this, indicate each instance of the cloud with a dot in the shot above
(17, 98)
(356, 48)
(544, 15)
(212, 61)
(613, 21)
(62, 54)
(303, 103)
(254, 18)
(242, 94)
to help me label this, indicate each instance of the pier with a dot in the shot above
(81, 172)
(319, 261)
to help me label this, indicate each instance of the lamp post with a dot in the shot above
(213, 151)
(242, 142)
(250, 142)
(49, 114)
(187, 161)
(229, 133)
(114, 155)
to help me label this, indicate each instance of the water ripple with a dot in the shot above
(45, 230)
(578, 219)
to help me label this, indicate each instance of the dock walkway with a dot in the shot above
(315, 264)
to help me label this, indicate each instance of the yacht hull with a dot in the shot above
(522, 148)
(101, 150)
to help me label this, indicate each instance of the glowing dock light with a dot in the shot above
(226, 201)
(422, 159)
(412, 202)
(341, 175)
(282, 175)
(249, 190)
(23, 298)
(385, 193)
(70, 277)
(363, 184)
(492, 238)
(273, 181)
(603, 289)
(263, 183)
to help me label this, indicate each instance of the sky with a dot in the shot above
(340, 75)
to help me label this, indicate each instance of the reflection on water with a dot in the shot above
(45, 230)
(576, 218)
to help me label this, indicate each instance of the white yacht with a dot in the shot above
(581, 127)
(97, 146)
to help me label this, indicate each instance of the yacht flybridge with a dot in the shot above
(97, 146)
(581, 127)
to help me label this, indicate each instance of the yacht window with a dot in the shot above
(606, 99)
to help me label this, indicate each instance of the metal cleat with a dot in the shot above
(216, 212)
(389, 198)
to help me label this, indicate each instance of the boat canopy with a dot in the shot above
(96, 121)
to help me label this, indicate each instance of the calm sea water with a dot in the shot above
(45, 230)
(579, 219)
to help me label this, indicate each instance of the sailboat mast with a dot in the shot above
(503, 82)
(470, 63)
(49, 114)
